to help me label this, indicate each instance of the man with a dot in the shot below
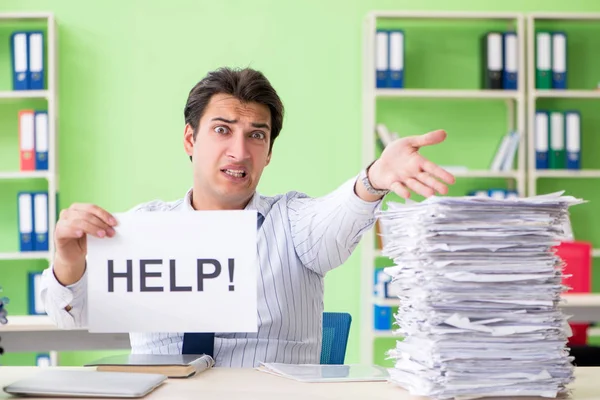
(232, 118)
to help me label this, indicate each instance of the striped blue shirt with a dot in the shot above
(300, 239)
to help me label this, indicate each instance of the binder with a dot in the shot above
(511, 65)
(559, 60)
(381, 58)
(35, 304)
(20, 63)
(543, 78)
(25, 212)
(41, 140)
(43, 360)
(512, 194)
(383, 317)
(557, 156)
(573, 139)
(492, 60)
(27, 140)
(498, 194)
(542, 134)
(36, 60)
(40, 221)
(396, 59)
(511, 151)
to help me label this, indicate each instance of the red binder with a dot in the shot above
(27, 139)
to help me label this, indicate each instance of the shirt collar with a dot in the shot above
(256, 203)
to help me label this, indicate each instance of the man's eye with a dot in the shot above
(258, 135)
(221, 130)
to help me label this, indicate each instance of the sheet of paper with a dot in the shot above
(175, 272)
(479, 289)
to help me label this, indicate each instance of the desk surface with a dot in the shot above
(250, 384)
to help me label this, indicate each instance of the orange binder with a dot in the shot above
(27, 139)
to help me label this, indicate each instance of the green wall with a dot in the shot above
(126, 68)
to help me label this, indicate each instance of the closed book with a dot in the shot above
(171, 365)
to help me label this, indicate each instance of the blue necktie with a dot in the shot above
(198, 343)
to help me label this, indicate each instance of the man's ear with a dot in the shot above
(188, 139)
(268, 158)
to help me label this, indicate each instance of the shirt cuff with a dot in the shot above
(358, 205)
(63, 295)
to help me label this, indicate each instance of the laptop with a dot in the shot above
(79, 383)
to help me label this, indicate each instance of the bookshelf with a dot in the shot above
(578, 92)
(513, 101)
(10, 176)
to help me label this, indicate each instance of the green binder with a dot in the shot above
(557, 155)
(543, 60)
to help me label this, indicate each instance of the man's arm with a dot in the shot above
(65, 305)
(326, 230)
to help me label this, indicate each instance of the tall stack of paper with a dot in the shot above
(479, 290)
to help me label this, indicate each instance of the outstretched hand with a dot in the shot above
(401, 168)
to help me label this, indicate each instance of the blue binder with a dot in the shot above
(559, 60)
(510, 60)
(40, 221)
(396, 59)
(43, 360)
(35, 304)
(20, 62)
(573, 139)
(25, 213)
(542, 139)
(41, 140)
(382, 58)
(382, 317)
(36, 60)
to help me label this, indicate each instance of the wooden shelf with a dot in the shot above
(448, 94)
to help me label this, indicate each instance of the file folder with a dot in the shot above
(498, 194)
(573, 139)
(396, 55)
(41, 140)
(36, 306)
(511, 65)
(557, 159)
(36, 60)
(43, 360)
(20, 63)
(27, 139)
(542, 133)
(383, 317)
(492, 60)
(381, 58)
(25, 212)
(40, 221)
(559, 60)
(543, 77)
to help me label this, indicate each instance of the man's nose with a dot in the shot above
(238, 148)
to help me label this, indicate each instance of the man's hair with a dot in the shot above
(247, 85)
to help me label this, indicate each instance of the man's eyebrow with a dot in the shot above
(234, 121)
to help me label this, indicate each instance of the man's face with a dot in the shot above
(231, 149)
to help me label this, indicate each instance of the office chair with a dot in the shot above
(336, 329)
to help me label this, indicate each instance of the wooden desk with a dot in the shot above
(249, 384)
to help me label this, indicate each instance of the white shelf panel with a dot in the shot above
(18, 16)
(458, 15)
(26, 255)
(377, 333)
(24, 94)
(484, 174)
(595, 253)
(25, 175)
(386, 302)
(567, 94)
(566, 173)
(449, 94)
(28, 323)
(566, 17)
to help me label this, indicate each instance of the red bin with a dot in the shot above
(578, 259)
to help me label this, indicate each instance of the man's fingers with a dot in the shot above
(438, 172)
(428, 139)
(76, 228)
(433, 183)
(400, 190)
(419, 188)
(97, 211)
(86, 216)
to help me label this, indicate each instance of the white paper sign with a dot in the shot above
(175, 272)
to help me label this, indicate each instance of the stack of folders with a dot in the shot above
(389, 58)
(33, 221)
(557, 140)
(33, 140)
(500, 60)
(480, 288)
(27, 60)
(551, 60)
